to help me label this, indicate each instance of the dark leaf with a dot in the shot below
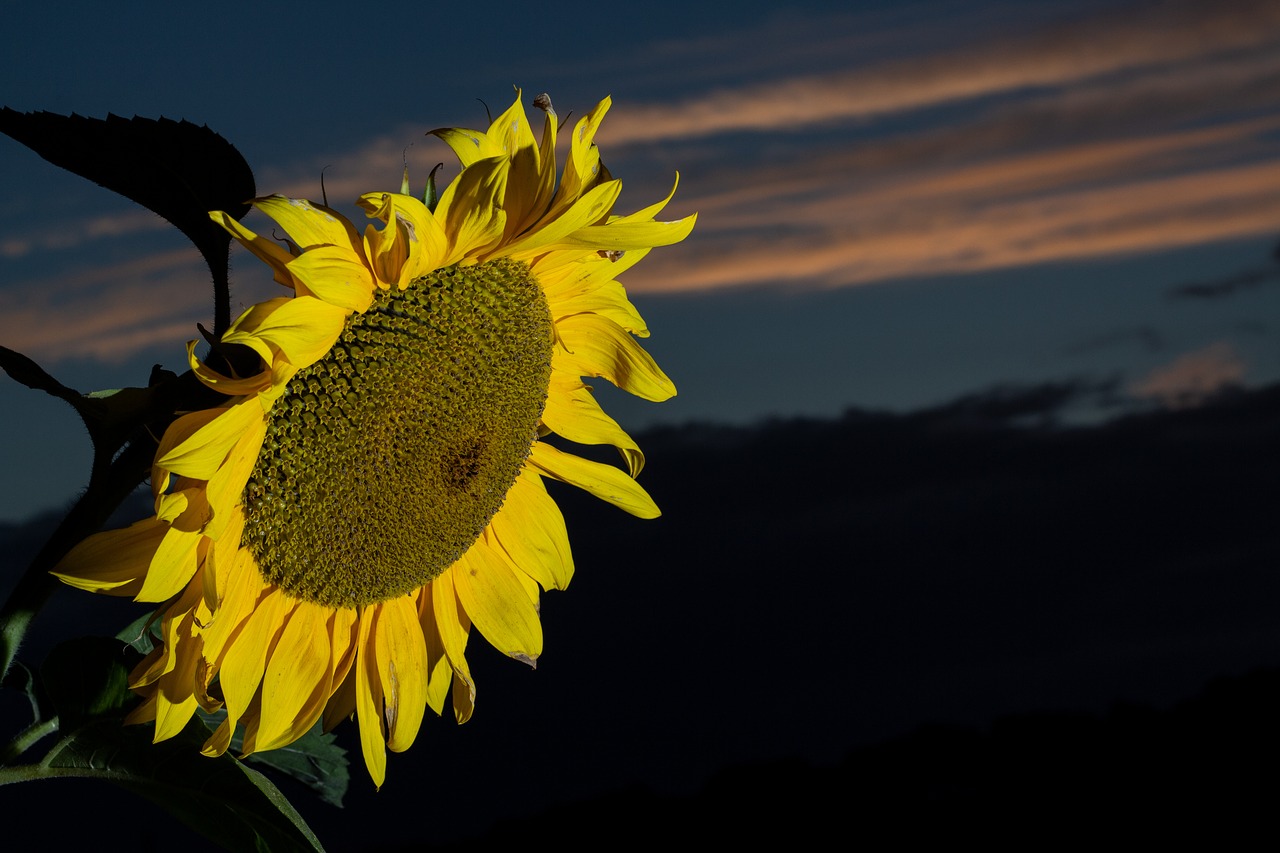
(25, 371)
(315, 760)
(21, 679)
(110, 416)
(177, 169)
(229, 803)
(141, 634)
(88, 677)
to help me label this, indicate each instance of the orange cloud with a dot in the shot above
(110, 311)
(1116, 142)
(1110, 44)
(799, 224)
(941, 242)
(1193, 378)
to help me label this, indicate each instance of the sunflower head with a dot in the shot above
(325, 538)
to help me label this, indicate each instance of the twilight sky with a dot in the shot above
(899, 202)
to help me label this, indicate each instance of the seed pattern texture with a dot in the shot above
(385, 460)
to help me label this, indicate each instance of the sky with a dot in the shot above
(898, 202)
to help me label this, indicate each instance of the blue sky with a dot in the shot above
(899, 202)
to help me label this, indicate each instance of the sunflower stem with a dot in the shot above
(32, 772)
(109, 485)
(28, 738)
(221, 301)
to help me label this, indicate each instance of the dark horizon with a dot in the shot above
(817, 587)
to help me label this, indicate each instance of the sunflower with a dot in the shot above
(326, 536)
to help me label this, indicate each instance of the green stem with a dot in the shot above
(28, 738)
(32, 772)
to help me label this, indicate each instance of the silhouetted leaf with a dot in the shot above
(177, 169)
(25, 371)
(110, 416)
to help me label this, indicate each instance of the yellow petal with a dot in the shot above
(649, 213)
(224, 488)
(603, 481)
(470, 146)
(609, 300)
(267, 251)
(336, 275)
(297, 679)
(303, 329)
(572, 412)
(471, 210)
(196, 444)
(415, 245)
(308, 224)
(464, 700)
(591, 208)
(438, 671)
(342, 704)
(342, 630)
(546, 162)
(231, 386)
(510, 133)
(596, 346)
(567, 273)
(401, 654)
(172, 565)
(494, 600)
(622, 235)
(245, 658)
(583, 167)
(241, 587)
(113, 561)
(369, 700)
(454, 626)
(175, 696)
(530, 528)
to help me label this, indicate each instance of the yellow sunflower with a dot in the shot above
(324, 539)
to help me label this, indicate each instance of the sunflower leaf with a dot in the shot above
(87, 677)
(24, 370)
(110, 416)
(175, 168)
(315, 759)
(22, 680)
(231, 804)
(140, 634)
(221, 798)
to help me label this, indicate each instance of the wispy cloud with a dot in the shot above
(1110, 45)
(797, 225)
(1192, 378)
(110, 311)
(1125, 132)
(69, 235)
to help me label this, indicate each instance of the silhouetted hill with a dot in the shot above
(1134, 774)
(816, 587)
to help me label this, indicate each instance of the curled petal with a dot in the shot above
(595, 346)
(301, 329)
(603, 481)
